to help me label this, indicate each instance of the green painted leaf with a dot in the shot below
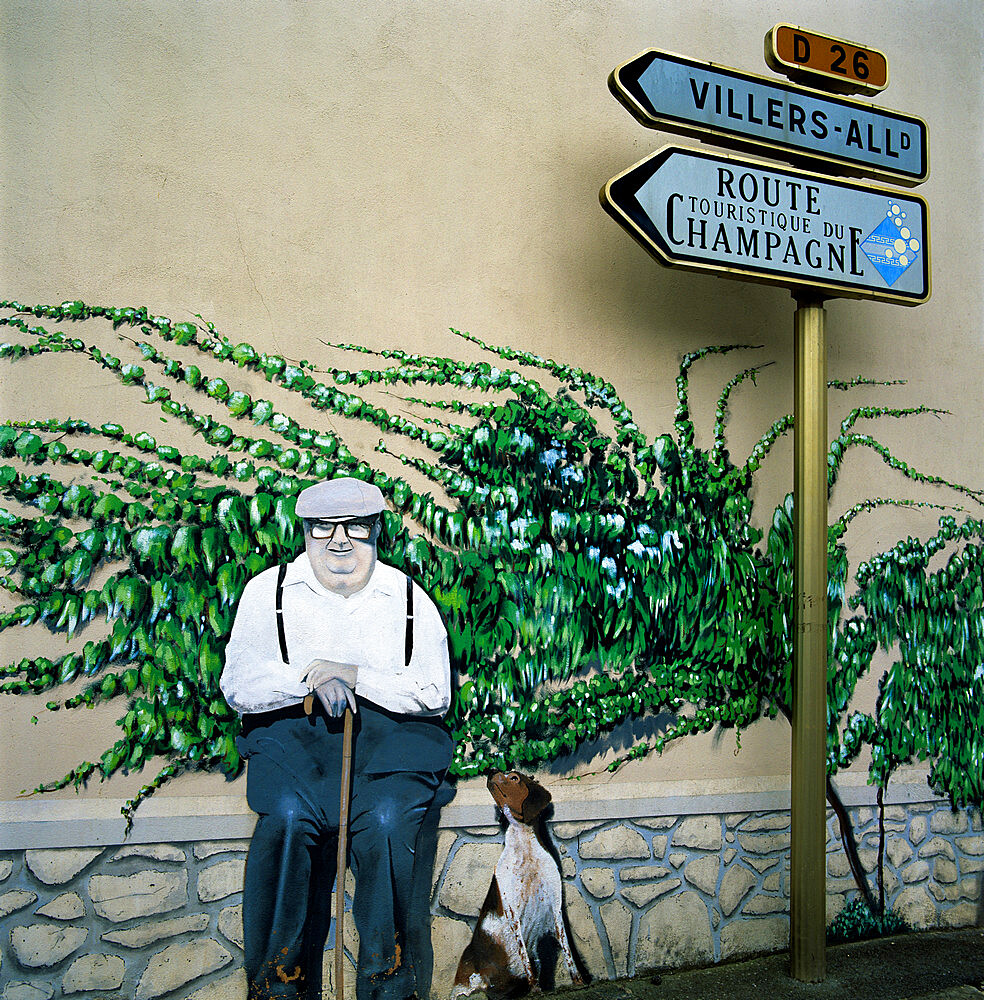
(27, 444)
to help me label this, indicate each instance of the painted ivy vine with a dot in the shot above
(587, 574)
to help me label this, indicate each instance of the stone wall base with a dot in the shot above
(141, 921)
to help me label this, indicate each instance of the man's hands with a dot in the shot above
(334, 684)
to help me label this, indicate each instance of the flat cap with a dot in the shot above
(342, 497)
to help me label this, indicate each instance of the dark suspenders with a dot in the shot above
(282, 572)
(408, 641)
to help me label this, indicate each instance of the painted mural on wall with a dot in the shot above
(587, 574)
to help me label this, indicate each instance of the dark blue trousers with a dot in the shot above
(293, 783)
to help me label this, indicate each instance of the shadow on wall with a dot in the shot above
(620, 740)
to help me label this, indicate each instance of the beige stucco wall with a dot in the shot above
(379, 172)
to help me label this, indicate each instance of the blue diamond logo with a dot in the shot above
(891, 246)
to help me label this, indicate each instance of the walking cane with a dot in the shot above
(342, 856)
(343, 818)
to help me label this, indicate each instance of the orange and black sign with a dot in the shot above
(832, 62)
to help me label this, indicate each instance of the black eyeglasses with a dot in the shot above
(358, 528)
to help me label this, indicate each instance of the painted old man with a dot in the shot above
(354, 632)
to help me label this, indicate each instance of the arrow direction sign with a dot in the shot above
(744, 219)
(715, 103)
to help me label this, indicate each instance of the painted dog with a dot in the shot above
(523, 905)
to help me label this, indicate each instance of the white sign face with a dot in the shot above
(672, 92)
(745, 219)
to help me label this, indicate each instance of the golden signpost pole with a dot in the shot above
(725, 215)
(807, 903)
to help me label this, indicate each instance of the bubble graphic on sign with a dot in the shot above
(891, 247)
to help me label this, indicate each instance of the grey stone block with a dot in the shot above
(918, 829)
(898, 851)
(38, 946)
(55, 867)
(227, 988)
(961, 915)
(445, 841)
(150, 931)
(28, 991)
(937, 847)
(763, 864)
(617, 920)
(231, 924)
(584, 932)
(16, 899)
(600, 882)
(700, 832)
(835, 903)
(207, 848)
(616, 843)
(915, 907)
(675, 931)
(948, 821)
(67, 906)
(124, 897)
(747, 937)
(642, 895)
(760, 905)
(764, 843)
(572, 828)
(703, 874)
(152, 852)
(221, 880)
(944, 871)
(772, 883)
(450, 938)
(869, 859)
(768, 821)
(637, 873)
(468, 878)
(972, 845)
(734, 886)
(657, 822)
(94, 972)
(180, 964)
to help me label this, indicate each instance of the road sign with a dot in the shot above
(745, 219)
(846, 66)
(730, 107)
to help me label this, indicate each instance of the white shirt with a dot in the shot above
(367, 629)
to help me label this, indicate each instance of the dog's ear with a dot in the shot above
(537, 799)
